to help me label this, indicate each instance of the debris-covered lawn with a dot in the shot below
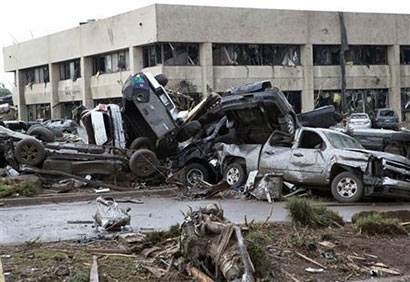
(311, 249)
(273, 247)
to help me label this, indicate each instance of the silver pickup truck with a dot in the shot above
(320, 158)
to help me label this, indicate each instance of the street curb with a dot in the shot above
(77, 197)
(405, 278)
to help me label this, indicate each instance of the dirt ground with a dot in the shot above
(344, 253)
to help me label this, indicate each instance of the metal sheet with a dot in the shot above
(100, 134)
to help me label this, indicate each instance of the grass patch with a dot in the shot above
(307, 213)
(23, 189)
(81, 275)
(374, 223)
(256, 242)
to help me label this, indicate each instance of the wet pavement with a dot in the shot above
(49, 222)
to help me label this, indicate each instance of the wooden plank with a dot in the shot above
(2, 279)
(94, 270)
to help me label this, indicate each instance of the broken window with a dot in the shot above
(37, 75)
(356, 55)
(367, 55)
(405, 104)
(404, 55)
(171, 54)
(311, 140)
(38, 112)
(67, 108)
(255, 54)
(295, 99)
(70, 70)
(111, 62)
(326, 55)
(358, 100)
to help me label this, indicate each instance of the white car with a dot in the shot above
(359, 120)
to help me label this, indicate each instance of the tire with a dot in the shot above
(143, 163)
(350, 194)
(235, 175)
(30, 129)
(195, 172)
(289, 126)
(42, 133)
(30, 151)
(142, 143)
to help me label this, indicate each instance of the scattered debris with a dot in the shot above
(94, 270)
(215, 245)
(109, 215)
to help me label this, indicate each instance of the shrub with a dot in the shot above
(374, 223)
(307, 213)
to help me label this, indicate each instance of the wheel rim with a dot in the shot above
(347, 187)
(233, 175)
(144, 166)
(29, 152)
(194, 175)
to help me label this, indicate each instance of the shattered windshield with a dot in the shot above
(341, 141)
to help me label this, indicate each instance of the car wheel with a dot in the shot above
(195, 172)
(289, 126)
(143, 163)
(32, 127)
(347, 187)
(41, 133)
(30, 151)
(235, 175)
(142, 143)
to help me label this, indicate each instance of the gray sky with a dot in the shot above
(23, 20)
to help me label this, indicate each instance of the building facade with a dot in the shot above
(200, 47)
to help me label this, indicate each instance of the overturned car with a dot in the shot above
(319, 158)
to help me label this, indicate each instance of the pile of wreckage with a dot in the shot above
(247, 136)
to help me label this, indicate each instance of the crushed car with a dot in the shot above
(318, 157)
(106, 163)
(391, 141)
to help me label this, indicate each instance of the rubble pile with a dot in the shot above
(250, 137)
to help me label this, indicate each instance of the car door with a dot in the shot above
(274, 157)
(307, 162)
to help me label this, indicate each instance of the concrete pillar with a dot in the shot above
(19, 95)
(207, 72)
(393, 57)
(136, 59)
(54, 102)
(308, 97)
(86, 74)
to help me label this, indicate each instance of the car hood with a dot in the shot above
(384, 155)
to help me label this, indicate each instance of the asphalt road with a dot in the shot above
(49, 222)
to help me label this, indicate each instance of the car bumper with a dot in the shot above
(386, 186)
(387, 125)
(359, 126)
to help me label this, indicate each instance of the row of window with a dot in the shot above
(187, 54)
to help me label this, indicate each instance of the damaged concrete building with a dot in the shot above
(197, 47)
